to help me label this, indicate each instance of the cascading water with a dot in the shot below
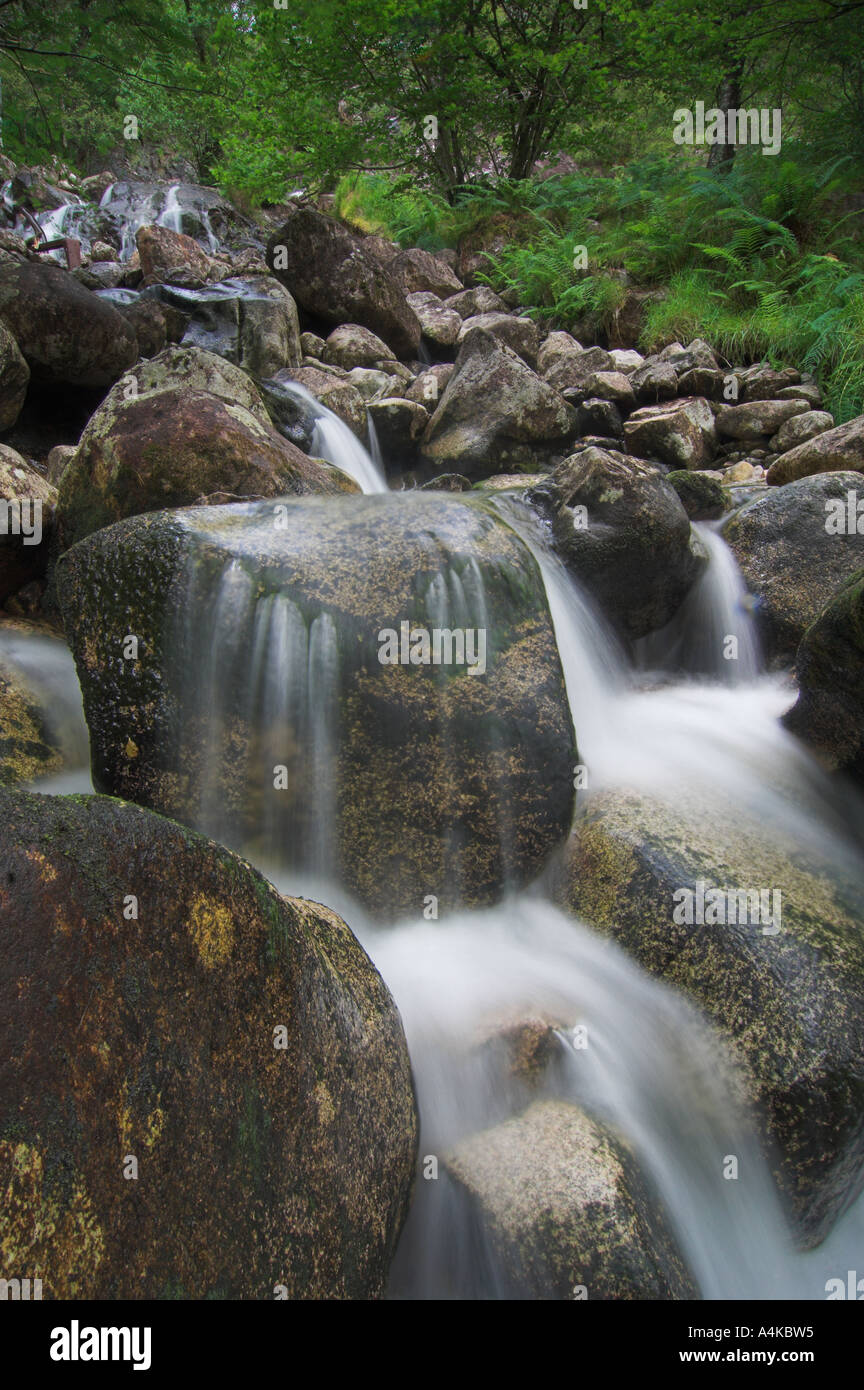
(334, 441)
(713, 634)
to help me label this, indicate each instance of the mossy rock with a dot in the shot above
(176, 431)
(790, 560)
(703, 498)
(446, 783)
(563, 1205)
(829, 712)
(29, 747)
(261, 1170)
(791, 1004)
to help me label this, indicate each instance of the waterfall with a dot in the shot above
(653, 1071)
(334, 441)
(714, 632)
(171, 215)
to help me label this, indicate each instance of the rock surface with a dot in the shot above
(257, 1166)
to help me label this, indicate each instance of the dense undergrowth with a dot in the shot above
(763, 261)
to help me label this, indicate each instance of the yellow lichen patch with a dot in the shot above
(212, 928)
(43, 1236)
(324, 1102)
(47, 871)
(131, 749)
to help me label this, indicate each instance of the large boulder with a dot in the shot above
(14, 379)
(222, 1105)
(565, 1209)
(128, 460)
(332, 277)
(755, 419)
(680, 432)
(829, 712)
(520, 334)
(27, 502)
(349, 346)
(840, 449)
(416, 271)
(174, 258)
(250, 320)
(784, 984)
(65, 333)
(621, 529)
(494, 410)
(429, 777)
(792, 558)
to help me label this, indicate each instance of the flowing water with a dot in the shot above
(680, 715)
(334, 441)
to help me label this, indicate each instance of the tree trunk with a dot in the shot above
(722, 156)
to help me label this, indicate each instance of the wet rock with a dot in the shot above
(832, 452)
(680, 433)
(399, 425)
(791, 1003)
(163, 1049)
(251, 321)
(373, 384)
(64, 332)
(14, 379)
(623, 532)
(790, 560)
(172, 258)
(435, 766)
(565, 1209)
(128, 462)
(704, 498)
(493, 410)
(600, 417)
(327, 271)
(337, 393)
(27, 502)
(829, 665)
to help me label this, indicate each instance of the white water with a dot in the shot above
(336, 443)
(653, 1069)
